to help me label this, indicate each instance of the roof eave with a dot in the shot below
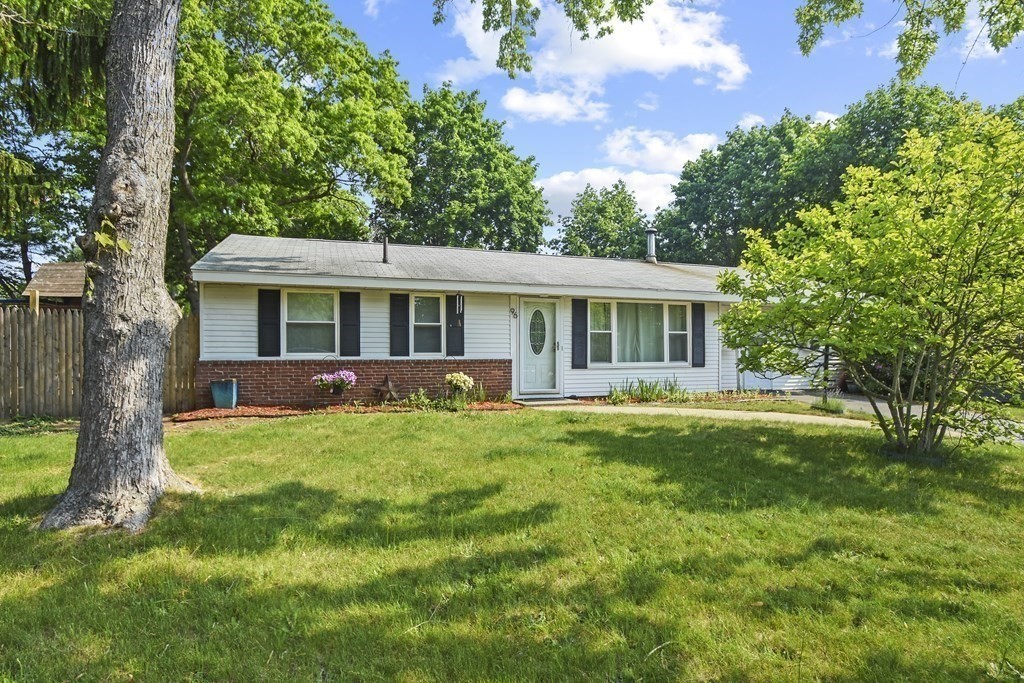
(418, 285)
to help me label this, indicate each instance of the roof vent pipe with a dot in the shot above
(652, 245)
(385, 248)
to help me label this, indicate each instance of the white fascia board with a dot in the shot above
(399, 284)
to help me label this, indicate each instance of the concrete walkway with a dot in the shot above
(742, 415)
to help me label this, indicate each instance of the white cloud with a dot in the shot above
(673, 35)
(482, 46)
(557, 106)
(648, 102)
(652, 189)
(372, 7)
(888, 51)
(655, 150)
(749, 120)
(824, 116)
(976, 44)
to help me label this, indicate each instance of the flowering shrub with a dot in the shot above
(459, 382)
(339, 379)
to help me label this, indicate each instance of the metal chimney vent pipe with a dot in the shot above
(385, 248)
(652, 245)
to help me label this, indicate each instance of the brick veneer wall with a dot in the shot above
(286, 382)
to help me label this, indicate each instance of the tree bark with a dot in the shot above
(120, 467)
(26, 261)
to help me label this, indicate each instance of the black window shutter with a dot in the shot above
(698, 334)
(268, 322)
(399, 324)
(349, 318)
(579, 333)
(455, 318)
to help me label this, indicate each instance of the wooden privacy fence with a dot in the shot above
(41, 363)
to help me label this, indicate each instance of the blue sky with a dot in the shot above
(641, 102)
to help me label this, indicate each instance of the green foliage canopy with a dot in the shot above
(763, 177)
(603, 222)
(921, 24)
(285, 124)
(40, 99)
(469, 188)
(915, 279)
(745, 182)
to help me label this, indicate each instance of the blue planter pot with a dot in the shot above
(225, 393)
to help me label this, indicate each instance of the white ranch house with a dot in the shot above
(274, 311)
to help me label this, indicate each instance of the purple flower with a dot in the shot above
(342, 379)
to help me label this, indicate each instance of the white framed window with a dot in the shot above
(310, 323)
(638, 333)
(600, 332)
(427, 324)
(678, 333)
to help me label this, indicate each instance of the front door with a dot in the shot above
(538, 347)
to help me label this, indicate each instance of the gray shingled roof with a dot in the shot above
(276, 256)
(58, 279)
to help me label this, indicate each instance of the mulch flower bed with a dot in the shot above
(292, 411)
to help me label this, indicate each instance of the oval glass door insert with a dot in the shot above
(538, 332)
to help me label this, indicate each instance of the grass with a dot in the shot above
(523, 546)
(831, 405)
(781, 405)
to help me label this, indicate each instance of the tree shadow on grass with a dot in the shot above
(254, 523)
(477, 618)
(458, 513)
(109, 604)
(723, 468)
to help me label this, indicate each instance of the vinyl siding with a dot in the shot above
(227, 321)
(229, 318)
(488, 326)
(728, 370)
(772, 383)
(597, 379)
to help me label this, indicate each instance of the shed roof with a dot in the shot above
(275, 260)
(58, 279)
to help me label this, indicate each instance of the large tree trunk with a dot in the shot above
(120, 466)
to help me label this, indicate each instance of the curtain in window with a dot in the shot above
(641, 333)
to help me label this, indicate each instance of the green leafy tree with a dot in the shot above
(915, 279)
(763, 177)
(743, 183)
(120, 467)
(469, 188)
(921, 25)
(603, 222)
(40, 198)
(285, 122)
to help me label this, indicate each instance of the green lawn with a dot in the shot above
(524, 546)
(790, 406)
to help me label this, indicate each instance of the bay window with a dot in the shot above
(310, 323)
